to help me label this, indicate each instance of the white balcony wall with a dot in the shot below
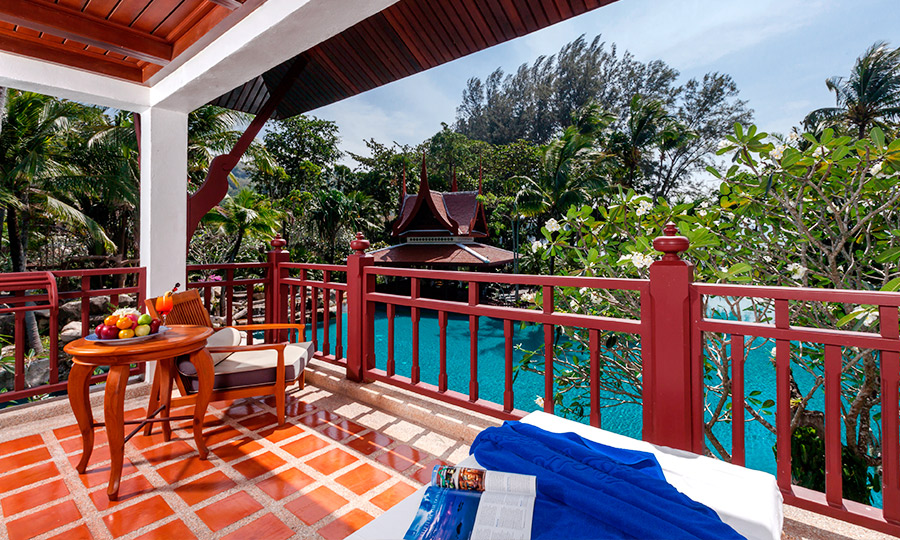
(163, 198)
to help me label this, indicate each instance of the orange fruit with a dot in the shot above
(125, 334)
(111, 320)
(124, 323)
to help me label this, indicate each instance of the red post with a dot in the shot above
(359, 318)
(277, 291)
(668, 373)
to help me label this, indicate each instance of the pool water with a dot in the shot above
(625, 419)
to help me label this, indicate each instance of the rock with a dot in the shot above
(8, 350)
(7, 380)
(7, 324)
(37, 372)
(100, 305)
(70, 333)
(70, 311)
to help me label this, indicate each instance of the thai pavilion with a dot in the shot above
(441, 229)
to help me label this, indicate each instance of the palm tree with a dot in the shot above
(245, 214)
(569, 168)
(649, 127)
(213, 131)
(37, 178)
(868, 97)
(329, 212)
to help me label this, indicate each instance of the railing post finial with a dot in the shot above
(360, 244)
(278, 242)
(670, 244)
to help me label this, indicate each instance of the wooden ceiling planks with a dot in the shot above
(127, 39)
(406, 38)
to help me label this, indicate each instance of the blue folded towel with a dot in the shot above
(588, 490)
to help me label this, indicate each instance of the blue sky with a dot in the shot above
(779, 52)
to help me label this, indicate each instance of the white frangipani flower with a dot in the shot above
(640, 260)
(539, 401)
(536, 246)
(644, 208)
(793, 137)
(797, 270)
(876, 171)
(724, 143)
(777, 153)
(819, 152)
(871, 318)
(552, 225)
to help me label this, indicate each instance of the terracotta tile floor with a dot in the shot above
(322, 476)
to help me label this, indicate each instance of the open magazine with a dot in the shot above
(473, 504)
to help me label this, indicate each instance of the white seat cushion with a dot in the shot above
(224, 337)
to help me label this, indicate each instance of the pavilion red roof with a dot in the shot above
(469, 254)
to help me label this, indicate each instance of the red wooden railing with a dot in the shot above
(783, 333)
(60, 280)
(671, 330)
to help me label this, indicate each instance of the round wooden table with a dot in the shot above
(88, 355)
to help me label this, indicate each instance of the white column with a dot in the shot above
(163, 198)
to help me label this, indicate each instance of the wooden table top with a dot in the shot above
(180, 339)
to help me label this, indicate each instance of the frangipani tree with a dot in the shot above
(826, 215)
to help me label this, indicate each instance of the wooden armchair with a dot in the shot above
(240, 370)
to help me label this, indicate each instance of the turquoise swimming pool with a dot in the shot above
(622, 419)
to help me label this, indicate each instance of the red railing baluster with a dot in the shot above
(890, 439)
(314, 313)
(390, 344)
(473, 343)
(783, 398)
(738, 454)
(594, 390)
(303, 301)
(833, 467)
(339, 325)
(415, 315)
(442, 339)
(19, 334)
(326, 308)
(85, 306)
(292, 298)
(229, 297)
(250, 312)
(508, 366)
(207, 298)
(548, 351)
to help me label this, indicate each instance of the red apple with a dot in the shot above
(134, 319)
(99, 329)
(109, 332)
(154, 326)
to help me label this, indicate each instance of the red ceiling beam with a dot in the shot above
(59, 54)
(230, 4)
(84, 28)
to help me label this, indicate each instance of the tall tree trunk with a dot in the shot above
(237, 246)
(17, 232)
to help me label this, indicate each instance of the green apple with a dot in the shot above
(142, 330)
(144, 319)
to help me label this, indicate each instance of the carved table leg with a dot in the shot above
(80, 401)
(154, 400)
(203, 364)
(165, 371)
(114, 412)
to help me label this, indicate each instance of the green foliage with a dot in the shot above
(247, 214)
(813, 211)
(303, 147)
(868, 97)
(808, 467)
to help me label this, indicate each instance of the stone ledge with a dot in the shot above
(452, 421)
